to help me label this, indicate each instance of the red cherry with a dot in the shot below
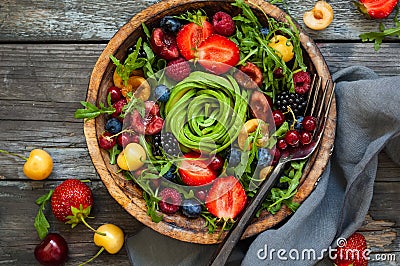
(309, 123)
(305, 137)
(201, 195)
(281, 144)
(52, 251)
(279, 117)
(278, 73)
(106, 142)
(116, 94)
(216, 163)
(292, 138)
(126, 138)
(118, 107)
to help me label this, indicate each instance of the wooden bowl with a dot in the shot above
(126, 193)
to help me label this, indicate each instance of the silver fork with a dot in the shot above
(318, 105)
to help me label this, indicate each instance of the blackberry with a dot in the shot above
(296, 102)
(157, 145)
(170, 144)
(141, 54)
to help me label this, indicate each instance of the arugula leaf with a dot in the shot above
(41, 224)
(131, 63)
(114, 151)
(91, 111)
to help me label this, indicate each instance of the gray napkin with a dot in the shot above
(368, 121)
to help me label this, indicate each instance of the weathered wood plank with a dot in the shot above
(19, 238)
(46, 20)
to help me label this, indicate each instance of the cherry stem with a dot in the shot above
(14, 154)
(119, 133)
(289, 110)
(92, 258)
(91, 228)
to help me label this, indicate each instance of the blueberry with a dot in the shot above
(113, 125)
(235, 157)
(264, 31)
(191, 208)
(264, 157)
(171, 174)
(162, 93)
(170, 24)
(298, 125)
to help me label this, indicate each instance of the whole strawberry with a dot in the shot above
(352, 252)
(71, 201)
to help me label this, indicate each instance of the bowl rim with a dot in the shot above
(135, 206)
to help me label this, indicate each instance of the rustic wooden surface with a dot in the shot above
(47, 52)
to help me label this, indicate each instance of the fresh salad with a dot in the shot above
(201, 109)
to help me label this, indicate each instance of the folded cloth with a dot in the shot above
(368, 120)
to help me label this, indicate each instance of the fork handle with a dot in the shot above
(224, 250)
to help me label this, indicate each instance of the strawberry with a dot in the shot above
(352, 252)
(376, 9)
(191, 35)
(71, 201)
(226, 198)
(195, 172)
(218, 54)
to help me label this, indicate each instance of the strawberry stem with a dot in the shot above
(91, 228)
(92, 258)
(14, 154)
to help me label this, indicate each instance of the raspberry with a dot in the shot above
(223, 24)
(178, 69)
(302, 82)
(170, 200)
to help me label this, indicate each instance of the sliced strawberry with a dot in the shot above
(190, 36)
(218, 54)
(226, 198)
(376, 9)
(195, 172)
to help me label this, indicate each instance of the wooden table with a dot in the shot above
(47, 52)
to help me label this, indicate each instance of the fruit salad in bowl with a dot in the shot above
(191, 105)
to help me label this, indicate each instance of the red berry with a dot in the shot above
(352, 252)
(278, 73)
(106, 141)
(292, 138)
(154, 125)
(195, 172)
(216, 163)
(302, 82)
(52, 251)
(152, 108)
(281, 144)
(226, 198)
(71, 193)
(218, 54)
(201, 195)
(178, 69)
(305, 137)
(190, 36)
(126, 138)
(170, 200)
(118, 107)
(279, 117)
(223, 24)
(164, 44)
(116, 94)
(309, 123)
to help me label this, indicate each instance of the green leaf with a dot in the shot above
(41, 224)
(91, 111)
(114, 151)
